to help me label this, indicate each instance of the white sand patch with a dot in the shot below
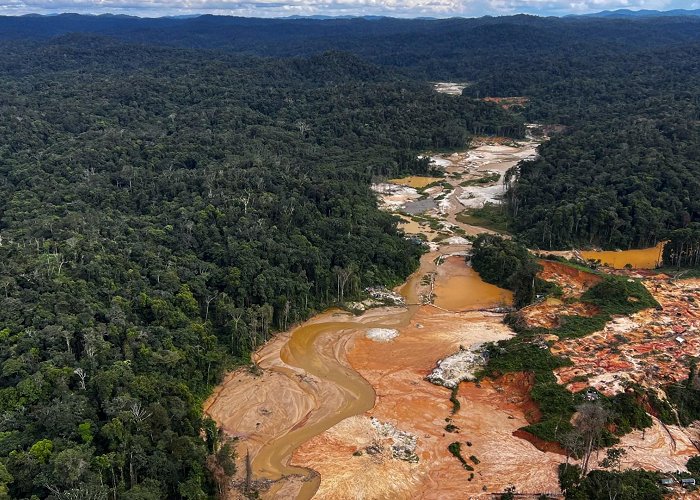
(393, 189)
(611, 384)
(382, 334)
(476, 197)
(445, 205)
(393, 196)
(450, 88)
(456, 240)
(439, 161)
(621, 325)
(457, 367)
(403, 444)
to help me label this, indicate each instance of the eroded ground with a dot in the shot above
(651, 348)
(430, 206)
(487, 420)
(572, 281)
(342, 408)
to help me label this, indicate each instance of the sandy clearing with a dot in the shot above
(478, 196)
(664, 448)
(412, 404)
(451, 88)
(307, 417)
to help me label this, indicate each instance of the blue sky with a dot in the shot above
(280, 8)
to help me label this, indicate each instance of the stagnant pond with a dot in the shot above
(645, 258)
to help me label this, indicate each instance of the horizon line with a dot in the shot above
(323, 17)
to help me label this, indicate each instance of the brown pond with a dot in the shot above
(645, 258)
(460, 288)
(413, 227)
(415, 181)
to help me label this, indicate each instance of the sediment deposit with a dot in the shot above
(344, 406)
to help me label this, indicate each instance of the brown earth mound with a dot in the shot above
(516, 388)
(548, 314)
(652, 347)
(507, 102)
(573, 282)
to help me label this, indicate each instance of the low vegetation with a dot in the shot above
(454, 399)
(619, 295)
(456, 450)
(491, 216)
(526, 352)
(489, 178)
(604, 484)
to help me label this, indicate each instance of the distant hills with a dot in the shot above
(608, 14)
(622, 13)
(426, 45)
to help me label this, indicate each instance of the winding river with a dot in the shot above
(308, 385)
(325, 373)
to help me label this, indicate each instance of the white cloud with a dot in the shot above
(274, 8)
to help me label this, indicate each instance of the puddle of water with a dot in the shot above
(553, 301)
(645, 258)
(410, 226)
(415, 181)
(459, 287)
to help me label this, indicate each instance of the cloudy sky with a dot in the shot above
(280, 8)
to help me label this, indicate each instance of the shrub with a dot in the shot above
(693, 465)
(456, 450)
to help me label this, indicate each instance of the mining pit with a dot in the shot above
(358, 406)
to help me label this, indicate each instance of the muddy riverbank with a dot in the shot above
(341, 406)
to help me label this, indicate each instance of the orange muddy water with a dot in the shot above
(415, 181)
(645, 258)
(309, 387)
(413, 227)
(461, 288)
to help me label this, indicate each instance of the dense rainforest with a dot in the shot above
(623, 173)
(509, 265)
(626, 172)
(162, 211)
